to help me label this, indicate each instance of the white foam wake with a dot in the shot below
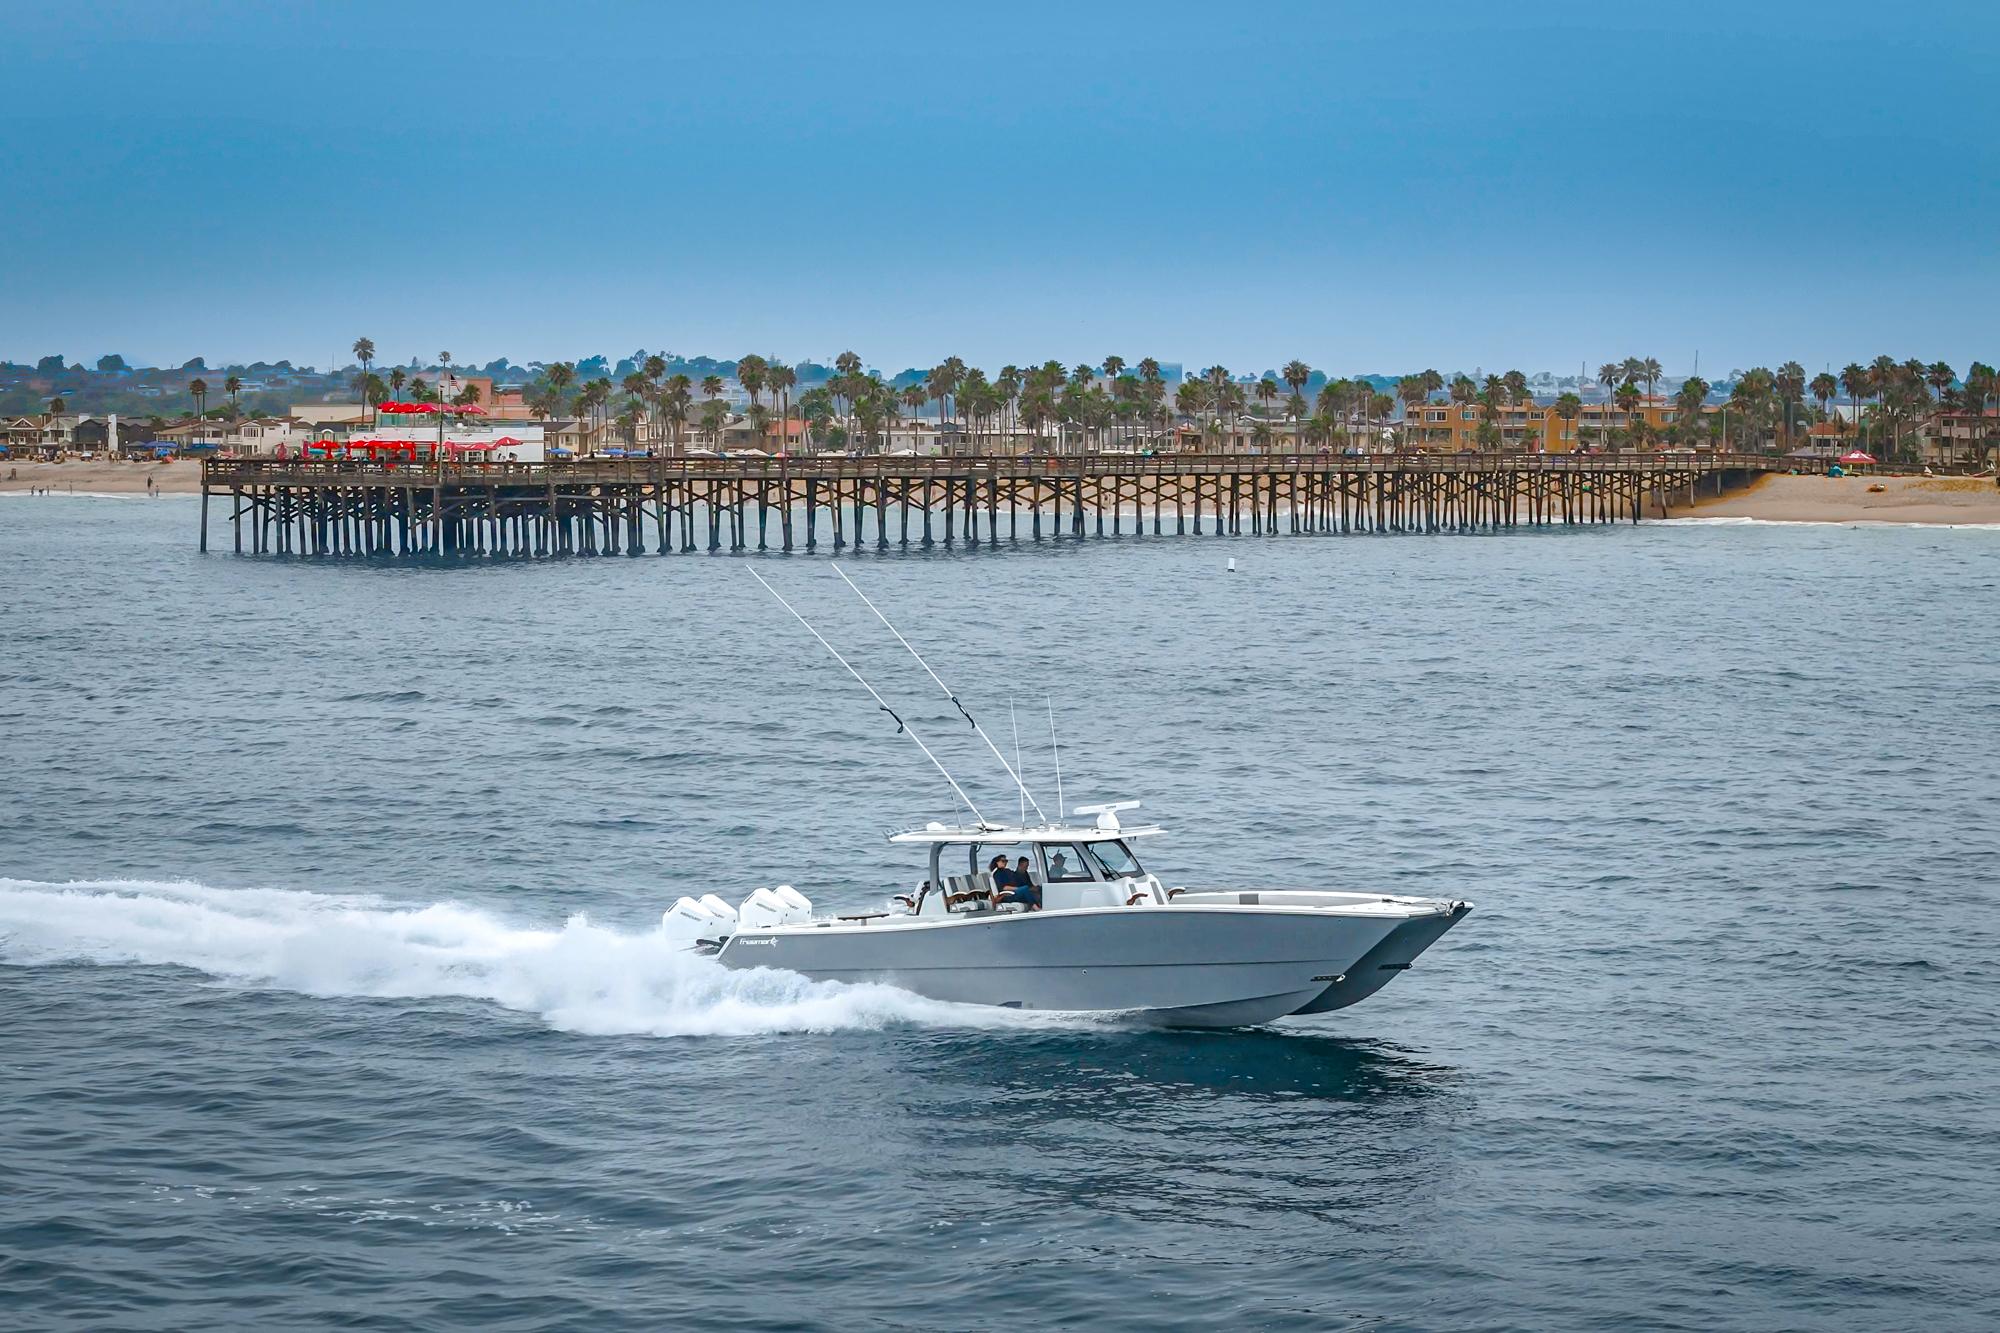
(580, 977)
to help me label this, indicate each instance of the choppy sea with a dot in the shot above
(331, 994)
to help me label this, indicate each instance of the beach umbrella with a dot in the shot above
(1856, 456)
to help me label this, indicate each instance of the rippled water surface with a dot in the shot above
(329, 992)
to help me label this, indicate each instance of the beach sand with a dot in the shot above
(180, 477)
(1788, 499)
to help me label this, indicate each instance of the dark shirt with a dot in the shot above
(1006, 878)
(1022, 891)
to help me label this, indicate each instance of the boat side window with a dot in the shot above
(1065, 863)
(1115, 859)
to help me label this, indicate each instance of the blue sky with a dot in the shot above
(1368, 187)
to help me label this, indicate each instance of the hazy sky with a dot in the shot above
(1372, 187)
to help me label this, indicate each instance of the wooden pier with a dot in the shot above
(632, 506)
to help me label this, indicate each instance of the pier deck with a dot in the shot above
(630, 506)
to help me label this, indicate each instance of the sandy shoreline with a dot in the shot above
(179, 477)
(1789, 499)
(1774, 499)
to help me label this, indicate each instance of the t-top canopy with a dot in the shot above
(999, 833)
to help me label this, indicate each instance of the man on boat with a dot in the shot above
(1016, 886)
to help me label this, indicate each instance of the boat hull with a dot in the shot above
(1207, 966)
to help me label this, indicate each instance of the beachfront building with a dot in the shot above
(1530, 427)
(41, 434)
(250, 437)
(1961, 438)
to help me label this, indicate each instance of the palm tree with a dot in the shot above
(914, 397)
(1752, 398)
(233, 386)
(848, 367)
(750, 374)
(559, 376)
(780, 378)
(1114, 366)
(1627, 396)
(1191, 399)
(1940, 376)
(1650, 371)
(364, 352)
(1610, 375)
(1567, 409)
(1790, 384)
(714, 414)
(398, 377)
(1854, 379)
(943, 382)
(892, 412)
(1881, 378)
(1687, 407)
(677, 397)
(198, 388)
(1824, 388)
(1267, 393)
(759, 418)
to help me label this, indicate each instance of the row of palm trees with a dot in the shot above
(232, 386)
(1116, 404)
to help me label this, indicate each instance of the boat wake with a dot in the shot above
(578, 977)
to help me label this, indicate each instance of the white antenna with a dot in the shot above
(1025, 793)
(901, 726)
(1057, 749)
(1015, 723)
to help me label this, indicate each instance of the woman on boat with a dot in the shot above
(1016, 886)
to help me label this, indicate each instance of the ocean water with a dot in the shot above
(330, 994)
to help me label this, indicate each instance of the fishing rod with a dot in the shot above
(1025, 793)
(902, 727)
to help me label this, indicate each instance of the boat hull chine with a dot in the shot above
(1385, 962)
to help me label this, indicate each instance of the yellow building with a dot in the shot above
(1526, 427)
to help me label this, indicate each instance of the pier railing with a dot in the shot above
(225, 472)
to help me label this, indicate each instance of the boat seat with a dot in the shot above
(962, 892)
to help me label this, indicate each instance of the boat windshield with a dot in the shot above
(1115, 859)
(1066, 863)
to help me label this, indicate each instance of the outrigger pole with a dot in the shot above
(901, 726)
(1028, 795)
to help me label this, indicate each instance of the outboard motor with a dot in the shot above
(762, 910)
(799, 907)
(697, 925)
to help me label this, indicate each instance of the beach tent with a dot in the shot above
(1856, 456)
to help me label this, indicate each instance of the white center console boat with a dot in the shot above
(1073, 921)
(1106, 936)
